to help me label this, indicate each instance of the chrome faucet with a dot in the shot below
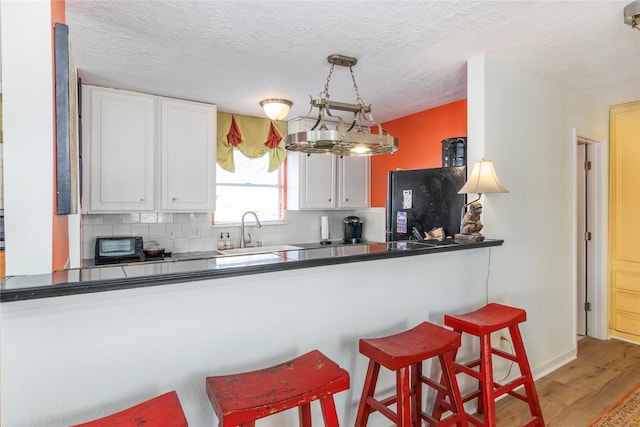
(243, 242)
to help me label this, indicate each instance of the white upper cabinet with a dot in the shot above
(146, 153)
(118, 130)
(188, 155)
(323, 181)
(311, 181)
(354, 178)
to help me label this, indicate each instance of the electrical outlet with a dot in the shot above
(500, 340)
(195, 232)
(504, 342)
(171, 233)
(495, 339)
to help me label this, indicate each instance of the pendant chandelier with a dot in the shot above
(354, 138)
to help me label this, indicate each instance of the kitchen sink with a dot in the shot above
(258, 249)
(438, 243)
(403, 245)
(419, 244)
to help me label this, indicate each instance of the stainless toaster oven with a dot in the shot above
(114, 249)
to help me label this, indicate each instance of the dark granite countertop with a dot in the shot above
(188, 267)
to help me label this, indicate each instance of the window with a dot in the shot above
(249, 188)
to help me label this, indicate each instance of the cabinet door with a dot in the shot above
(318, 182)
(311, 179)
(122, 153)
(326, 181)
(188, 155)
(353, 182)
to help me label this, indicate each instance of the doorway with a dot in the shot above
(589, 237)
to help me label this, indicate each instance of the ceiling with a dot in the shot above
(411, 54)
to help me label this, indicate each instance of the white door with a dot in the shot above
(586, 274)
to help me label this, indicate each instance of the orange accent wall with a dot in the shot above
(60, 223)
(420, 138)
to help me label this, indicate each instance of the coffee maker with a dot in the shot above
(352, 229)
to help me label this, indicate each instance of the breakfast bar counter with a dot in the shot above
(90, 342)
(210, 265)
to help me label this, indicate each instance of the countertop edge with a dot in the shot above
(105, 285)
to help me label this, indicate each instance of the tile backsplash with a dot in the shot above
(192, 232)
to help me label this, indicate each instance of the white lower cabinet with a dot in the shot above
(146, 153)
(323, 181)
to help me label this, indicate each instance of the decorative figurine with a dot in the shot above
(471, 225)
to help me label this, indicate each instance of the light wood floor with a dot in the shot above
(580, 391)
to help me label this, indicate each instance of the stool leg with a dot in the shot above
(486, 400)
(525, 370)
(364, 409)
(304, 412)
(329, 413)
(451, 383)
(416, 390)
(438, 407)
(403, 404)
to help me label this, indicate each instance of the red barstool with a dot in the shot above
(404, 354)
(161, 411)
(482, 323)
(241, 399)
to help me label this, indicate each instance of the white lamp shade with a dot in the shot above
(276, 109)
(632, 13)
(483, 179)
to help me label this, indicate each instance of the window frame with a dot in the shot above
(280, 186)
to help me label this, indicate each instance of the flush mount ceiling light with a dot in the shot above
(632, 14)
(352, 139)
(276, 109)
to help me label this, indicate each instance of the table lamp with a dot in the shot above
(483, 180)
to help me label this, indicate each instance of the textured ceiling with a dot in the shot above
(411, 54)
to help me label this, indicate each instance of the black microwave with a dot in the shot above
(112, 249)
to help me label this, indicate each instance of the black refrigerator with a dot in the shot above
(424, 199)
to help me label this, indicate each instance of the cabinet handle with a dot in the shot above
(346, 200)
(142, 200)
(173, 199)
(329, 199)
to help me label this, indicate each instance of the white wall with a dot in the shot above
(27, 84)
(80, 357)
(526, 126)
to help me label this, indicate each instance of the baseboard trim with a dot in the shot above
(633, 339)
(553, 364)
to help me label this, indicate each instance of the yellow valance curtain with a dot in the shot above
(253, 136)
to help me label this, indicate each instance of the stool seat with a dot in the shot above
(415, 345)
(482, 323)
(164, 410)
(404, 353)
(486, 320)
(245, 397)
